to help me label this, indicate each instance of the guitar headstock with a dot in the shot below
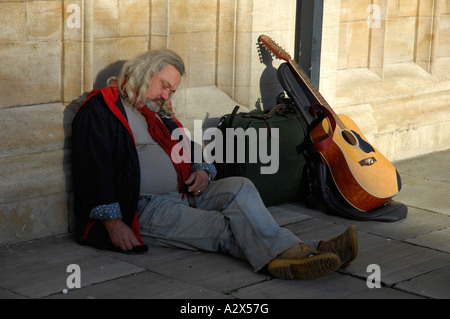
(278, 51)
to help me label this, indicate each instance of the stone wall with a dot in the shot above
(392, 80)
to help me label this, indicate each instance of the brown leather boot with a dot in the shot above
(315, 265)
(296, 252)
(344, 245)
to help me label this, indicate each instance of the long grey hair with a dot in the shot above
(134, 79)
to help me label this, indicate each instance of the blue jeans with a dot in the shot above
(229, 217)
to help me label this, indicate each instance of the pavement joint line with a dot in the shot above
(235, 290)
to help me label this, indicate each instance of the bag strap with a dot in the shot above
(233, 115)
(325, 143)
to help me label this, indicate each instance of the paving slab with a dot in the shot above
(438, 239)
(418, 222)
(428, 195)
(213, 271)
(289, 214)
(39, 268)
(334, 286)
(144, 285)
(435, 284)
(434, 166)
(398, 261)
(314, 229)
(426, 182)
(6, 294)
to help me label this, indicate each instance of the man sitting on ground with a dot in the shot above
(129, 188)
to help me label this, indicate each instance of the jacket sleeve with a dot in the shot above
(93, 165)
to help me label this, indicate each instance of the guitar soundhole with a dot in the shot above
(349, 138)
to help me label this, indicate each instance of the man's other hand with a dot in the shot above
(198, 182)
(121, 235)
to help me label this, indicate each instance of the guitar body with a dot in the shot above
(364, 177)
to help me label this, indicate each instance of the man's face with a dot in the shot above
(162, 86)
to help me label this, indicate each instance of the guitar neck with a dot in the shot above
(312, 88)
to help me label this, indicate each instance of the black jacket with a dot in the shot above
(105, 166)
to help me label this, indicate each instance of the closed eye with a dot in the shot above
(167, 86)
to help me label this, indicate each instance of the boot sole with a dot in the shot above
(307, 268)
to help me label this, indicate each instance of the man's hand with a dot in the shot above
(198, 182)
(120, 234)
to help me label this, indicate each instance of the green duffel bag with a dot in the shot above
(269, 148)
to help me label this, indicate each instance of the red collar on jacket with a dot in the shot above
(111, 97)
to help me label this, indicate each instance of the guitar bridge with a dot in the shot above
(368, 161)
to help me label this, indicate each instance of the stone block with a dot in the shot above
(108, 51)
(192, 16)
(415, 141)
(354, 10)
(180, 43)
(202, 103)
(202, 59)
(392, 8)
(244, 45)
(225, 59)
(358, 45)
(158, 42)
(244, 14)
(72, 15)
(13, 22)
(44, 20)
(443, 68)
(331, 13)
(34, 175)
(30, 73)
(106, 18)
(34, 129)
(35, 169)
(424, 42)
(33, 218)
(415, 111)
(73, 66)
(134, 18)
(342, 47)
(407, 8)
(443, 49)
(267, 15)
(425, 8)
(226, 16)
(400, 40)
(159, 18)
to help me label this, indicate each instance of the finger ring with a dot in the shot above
(199, 191)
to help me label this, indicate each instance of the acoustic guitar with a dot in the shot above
(364, 177)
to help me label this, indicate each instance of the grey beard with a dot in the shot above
(161, 107)
(152, 105)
